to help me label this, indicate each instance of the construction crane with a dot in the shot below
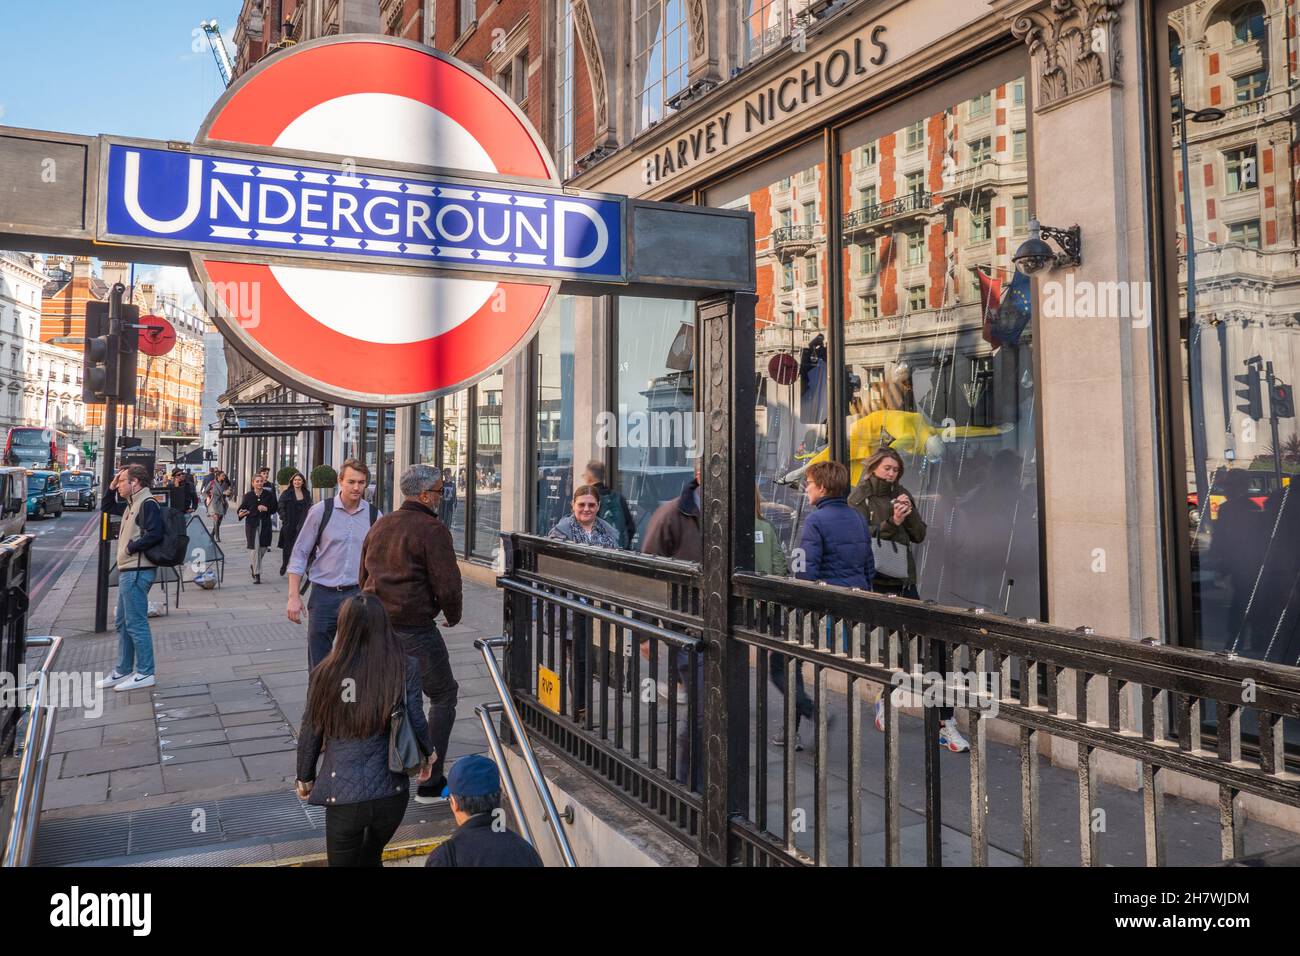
(218, 49)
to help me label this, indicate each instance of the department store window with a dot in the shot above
(554, 364)
(914, 183)
(1242, 579)
(1018, 145)
(867, 259)
(564, 113)
(868, 307)
(660, 58)
(981, 150)
(1019, 214)
(981, 105)
(655, 390)
(916, 135)
(979, 492)
(765, 25)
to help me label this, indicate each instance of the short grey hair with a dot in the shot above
(418, 479)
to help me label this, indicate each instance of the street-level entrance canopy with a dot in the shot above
(271, 419)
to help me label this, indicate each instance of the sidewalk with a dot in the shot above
(221, 723)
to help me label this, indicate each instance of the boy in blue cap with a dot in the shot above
(481, 837)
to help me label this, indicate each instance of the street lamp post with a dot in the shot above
(1195, 386)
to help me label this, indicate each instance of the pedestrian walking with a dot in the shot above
(481, 837)
(674, 532)
(220, 491)
(255, 511)
(181, 494)
(613, 506)
(142, 527)
(408, 561)
(327, 555)
(293, 507)
(352, 699)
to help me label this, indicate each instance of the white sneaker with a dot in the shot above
(949, 736)
(112, 679)
(135, 682)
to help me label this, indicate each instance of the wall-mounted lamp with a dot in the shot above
(1035, 255)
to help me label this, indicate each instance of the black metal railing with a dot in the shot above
(603, 646)
(1103, 695)
(15, 565)
(865, 215)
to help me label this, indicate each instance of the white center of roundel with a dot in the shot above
(387, 127)
(384, 308)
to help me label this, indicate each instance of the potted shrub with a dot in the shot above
(323, 479)
(284, 475)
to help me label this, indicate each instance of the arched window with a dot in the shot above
(660, 57)
(1248, 23)
(1175, 50)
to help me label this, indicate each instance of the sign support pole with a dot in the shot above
(109, 464)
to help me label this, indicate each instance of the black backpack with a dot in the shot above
(175, 545)
(328, 509)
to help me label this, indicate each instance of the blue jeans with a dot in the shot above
(323, 605)
(134, 639)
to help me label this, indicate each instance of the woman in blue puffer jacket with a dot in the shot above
(836, 540)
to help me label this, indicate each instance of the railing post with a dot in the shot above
(516, 614)
(726, 398)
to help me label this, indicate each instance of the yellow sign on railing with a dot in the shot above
(548, 689)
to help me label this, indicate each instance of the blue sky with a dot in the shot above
(131, 67)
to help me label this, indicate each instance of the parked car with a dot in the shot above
(13, 500)
(79, 490)
(44, 494)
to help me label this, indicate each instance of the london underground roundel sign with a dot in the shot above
(333, 264)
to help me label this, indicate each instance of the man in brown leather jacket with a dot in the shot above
(409, 562)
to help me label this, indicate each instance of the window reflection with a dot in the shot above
(1241, 338)
(657, 437)
(937, 343)
(554, 415)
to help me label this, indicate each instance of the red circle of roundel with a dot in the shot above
(262, 108)
(298, 332)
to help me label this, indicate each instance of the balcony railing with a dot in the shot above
(867, 215)
(792, 239)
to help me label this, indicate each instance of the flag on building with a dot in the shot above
(1014, 313)
(990, 299)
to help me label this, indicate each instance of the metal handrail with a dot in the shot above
(507, 778)
(20, 840)
(485, 646)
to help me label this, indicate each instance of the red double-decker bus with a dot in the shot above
(37, 448)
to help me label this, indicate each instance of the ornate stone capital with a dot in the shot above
(1074, 45)
(591, 52)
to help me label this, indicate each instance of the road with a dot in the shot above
(57, 542)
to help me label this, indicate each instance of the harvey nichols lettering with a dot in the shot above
(831, 71)
(224, 202)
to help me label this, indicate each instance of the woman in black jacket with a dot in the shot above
(255, 511)
(351, 697)
(294, 505)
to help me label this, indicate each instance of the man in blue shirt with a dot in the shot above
(329, 557)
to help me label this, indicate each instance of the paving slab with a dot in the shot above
(75, 791)
(189, 726)
(82, 762)
(253, 731)
(263, 766)
(77, 739)
(135, 783)
(265, 715)
(263, 745)
(202, 775)
(137, 731)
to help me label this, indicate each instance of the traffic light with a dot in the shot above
(98, 357)
(108, 360)
(1252, 393)
(1281, 401)
(128, 348)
